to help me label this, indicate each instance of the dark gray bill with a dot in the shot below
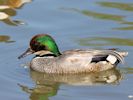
(26, 53)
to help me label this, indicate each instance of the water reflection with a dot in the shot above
(47, 85)
(8, 9)
(42, 91)
(5, 38)
(118, 5)
(124, 28)
(97, 15)
(127, 70)
(102, 15)
(120, 18)
(105, 41)
(14, 3)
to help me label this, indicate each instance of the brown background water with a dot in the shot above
(73, 24)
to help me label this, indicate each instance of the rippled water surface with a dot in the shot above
(73, 24)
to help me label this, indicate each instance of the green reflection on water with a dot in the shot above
(47, 85)
(118, 5)
(129, 23)
(8, 9)
(107, 16)
(127, 70)
(124, 28)
(41, 91)
(5, 38)
(98, 15)
(105, 41)
(102, 15)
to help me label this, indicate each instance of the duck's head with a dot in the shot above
(42, 44)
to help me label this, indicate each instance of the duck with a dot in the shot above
(49, 59)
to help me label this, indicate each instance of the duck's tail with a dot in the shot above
(116, 55)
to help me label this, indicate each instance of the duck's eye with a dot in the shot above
(41, 47)
(37, 47)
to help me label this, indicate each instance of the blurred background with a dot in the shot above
(73, 24)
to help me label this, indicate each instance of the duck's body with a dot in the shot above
(78, 61)
(72, 61)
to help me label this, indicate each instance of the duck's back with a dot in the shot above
(79, 61)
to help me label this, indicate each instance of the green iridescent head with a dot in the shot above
(42, 44)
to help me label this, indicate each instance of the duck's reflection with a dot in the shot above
(47, 84)
(41, 91)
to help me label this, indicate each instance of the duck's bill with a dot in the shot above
(26, 53)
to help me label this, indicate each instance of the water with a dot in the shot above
(73, 24)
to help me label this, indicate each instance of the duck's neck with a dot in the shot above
(44, 53)
(52, 47)
(57, 54)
